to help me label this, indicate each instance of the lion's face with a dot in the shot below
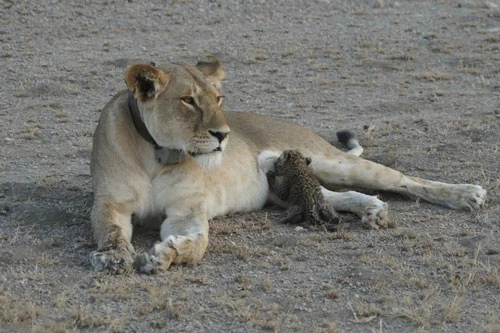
(181, 105)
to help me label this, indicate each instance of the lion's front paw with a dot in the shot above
(112, 261)
(375, 215)
(156, 260)
(148, 263)
(472, 197)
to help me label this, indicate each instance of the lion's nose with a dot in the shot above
(219, 135)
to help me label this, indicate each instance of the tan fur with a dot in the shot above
(227, 156)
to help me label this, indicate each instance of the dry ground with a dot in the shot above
(419, 82)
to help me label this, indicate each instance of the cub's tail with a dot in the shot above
(349, 140)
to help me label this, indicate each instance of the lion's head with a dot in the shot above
(181, 105)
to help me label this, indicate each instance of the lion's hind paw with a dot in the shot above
(375, 215)
(472, 198)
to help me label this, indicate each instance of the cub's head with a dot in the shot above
(181, 105)
(291, 161)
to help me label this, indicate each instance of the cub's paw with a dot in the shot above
(470, 197)
(112, 261)
(375, 215)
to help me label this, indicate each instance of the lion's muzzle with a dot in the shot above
(220, 136)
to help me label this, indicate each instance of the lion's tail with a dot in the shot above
(349, 140)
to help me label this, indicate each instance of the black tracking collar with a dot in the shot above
(163, 155)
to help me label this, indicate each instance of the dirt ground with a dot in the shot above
(419, 81)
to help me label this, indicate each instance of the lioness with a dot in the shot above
(165, 147)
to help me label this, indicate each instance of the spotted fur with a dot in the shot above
(292, 182)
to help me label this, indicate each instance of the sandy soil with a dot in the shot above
(418, 81)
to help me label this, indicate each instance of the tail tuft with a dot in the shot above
(345, 136)
(349, 140)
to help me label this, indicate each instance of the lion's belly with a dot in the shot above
(238, 194)
(237, 186)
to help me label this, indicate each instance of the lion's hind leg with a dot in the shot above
(347, 170)
(373, 211)
(456, 196)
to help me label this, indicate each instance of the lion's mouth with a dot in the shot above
(198, 153)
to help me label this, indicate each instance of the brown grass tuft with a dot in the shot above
(241, 252)
(433, 76)
(492, 276)
(419, 317)
(368, 309)
(341, 234)
(452, 311)
(15, 311)
(493, 39)
(84, 319)
(332, 294)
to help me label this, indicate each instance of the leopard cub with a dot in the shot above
(293, 184)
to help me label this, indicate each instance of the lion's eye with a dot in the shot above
(220, 99)
(188, 100)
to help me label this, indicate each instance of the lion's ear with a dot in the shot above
(308, 160)
(212, 68)
(145, 81)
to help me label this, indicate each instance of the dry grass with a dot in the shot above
(103, 288)
(463, 278)
(492, 39)
(419, 282)
(241, 252)
(201, 280)
(260, 314)
(282, 263)
(17, 311)
(332, 294)
(30, 132)
(402, 57)
(418, 317)
(62, 117)
(453, 310)
(388, 261)
(433, 76)
(341, 234)
(492, 276)
(491, 322)
(82, 318)
(368, 310)
(158, 299)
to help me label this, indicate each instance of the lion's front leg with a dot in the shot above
(184, 241)
(113, 232)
